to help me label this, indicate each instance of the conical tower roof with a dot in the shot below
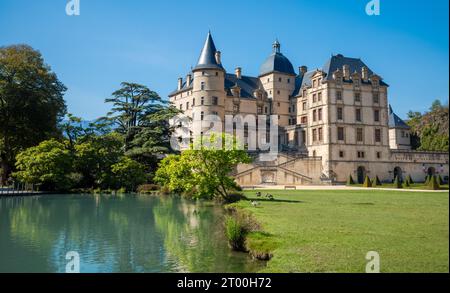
(207, 59)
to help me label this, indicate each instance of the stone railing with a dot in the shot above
(419, 156)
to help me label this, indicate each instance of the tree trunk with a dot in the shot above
(5, 172)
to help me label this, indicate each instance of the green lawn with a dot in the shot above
(331, 231)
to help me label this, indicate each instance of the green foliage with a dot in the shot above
(406, 184)
(409, 179)
(147, 188)
(350, 180)
(397, 182)
(128, 173)
(203, 171)
(235, 232)
(49, 165)
(31, 102)
(433, 183)
(440, 180)
(430, 130)
(376, 181)
(367, 182)
(427, 179)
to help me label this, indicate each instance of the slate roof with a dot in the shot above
(207, 59)
(395, 121)
(247, 84)
(276, 62)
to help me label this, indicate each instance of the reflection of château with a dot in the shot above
(333, 122)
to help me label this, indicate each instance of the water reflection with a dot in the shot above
(115, 234)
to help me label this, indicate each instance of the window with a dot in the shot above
(314, 115)
(259, 110)
(187, 105)
(181, 106)
(403, 132)
(236, 108)
(288, 80)
(357, 97)
(304, 106)
(314, 132)
(217, 73)
(314, 98)
(376, 115)
(341, 154)
(319, 96)
(361, 155)
(215, 101)
(304, 119)
(377, 135)
(265, 110)
(356, 81)
(279, 79)
(340, 133)
(358, 117)
(278, 92)
(340, 115)
(359, 134)
(193, 102)
(320, 114)
(376, 98)
(268, 80)
(378, 155)
(202, 100)
(215, 113)
(202, 114)
(202, 85)
(314, 83)
(289, 109)
(203, 73)
(278, 104)
(339, 95)
(320, 134)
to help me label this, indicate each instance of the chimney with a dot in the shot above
(302, 70)
(365, 73)
(180, 83)
(188, 80)
(218, 57)
(238, 72)
(346, 71)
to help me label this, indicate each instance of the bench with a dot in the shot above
(290, 187)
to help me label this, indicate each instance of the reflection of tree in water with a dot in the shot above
(113, 234)
(193, 235)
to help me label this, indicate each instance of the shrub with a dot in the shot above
(164, 190)
(427, 179)
(147, 188)
(433, 183)
(235, 233)
(350, 180)
(409, 179)
(376, 181)
(439, 180)
(234, 197)
(397, 183)
(367, 182)
(406, 184)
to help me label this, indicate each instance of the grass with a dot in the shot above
(420, 186)
(331, 231)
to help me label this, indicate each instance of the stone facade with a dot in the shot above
(333, 121)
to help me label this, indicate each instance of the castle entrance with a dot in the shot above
(361, 174)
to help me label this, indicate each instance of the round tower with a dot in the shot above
(208, 89)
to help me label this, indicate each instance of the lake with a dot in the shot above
(129, 233)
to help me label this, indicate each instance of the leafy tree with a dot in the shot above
(128, 174)
(409, 179)
(429, 131)
(49, 165)
(31, 102)
(95, 156)
(433, 183)
(204, 170)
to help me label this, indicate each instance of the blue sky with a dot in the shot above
(155, 42)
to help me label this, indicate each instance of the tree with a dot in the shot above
(397, 182)
(131, 105)
(49, 165)
(376, 181)
(95, 156)
(31, 102)
(433, 183)
(204, 170)
(128, 174)
(429, 131)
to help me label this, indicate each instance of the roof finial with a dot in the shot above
(276, 46)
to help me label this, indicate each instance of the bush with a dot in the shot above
(409, 179)
(235, 197)
(439, 180)
(376, 181)
(147, 188)
(433, 183)
(406, 184)
(427, 179)
(350, 180)
(367, 182)
(235, 233)
(164, 190)
(397, 183)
